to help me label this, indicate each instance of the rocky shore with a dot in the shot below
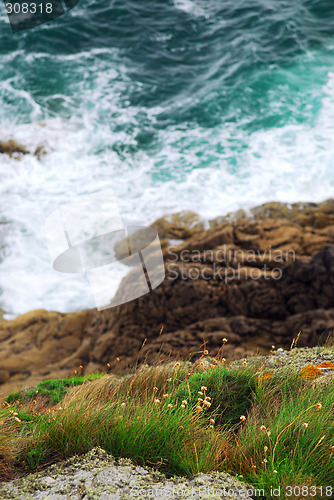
(257, 279)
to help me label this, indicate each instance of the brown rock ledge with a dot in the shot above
(255, 280)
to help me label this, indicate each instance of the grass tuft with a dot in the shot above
(269, 428)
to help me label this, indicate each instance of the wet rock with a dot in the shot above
(179, 226)
(14, 149)
(256, 281)
(11, 147)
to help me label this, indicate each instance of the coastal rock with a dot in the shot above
(14, 149)
(257, 282)
(11, 147)
(179, 226)
(98, 475)
(317, 215)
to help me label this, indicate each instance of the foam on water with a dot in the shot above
(212, 149)
(288, 164)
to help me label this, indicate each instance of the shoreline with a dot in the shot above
(177, 227)
(198, 302)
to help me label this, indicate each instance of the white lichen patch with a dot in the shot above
(301, 357)
(292, 360)
(97, 475)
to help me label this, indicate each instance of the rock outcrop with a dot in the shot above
(98, 475)
(256, 280)
(14, 149)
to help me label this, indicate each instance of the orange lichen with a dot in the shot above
(266, 376)
(310, 371)
(326, 364)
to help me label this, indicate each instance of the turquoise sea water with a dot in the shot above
(175, 104)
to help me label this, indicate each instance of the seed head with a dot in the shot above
(203, 388)
(305, 425)
(242, 418)
(318, 406)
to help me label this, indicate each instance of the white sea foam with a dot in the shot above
(190, 170)
(191, 7)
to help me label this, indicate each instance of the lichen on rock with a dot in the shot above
(98, 476)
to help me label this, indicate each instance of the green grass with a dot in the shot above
(157, 417)
(231, 392)
(14, 397)
(54, 390)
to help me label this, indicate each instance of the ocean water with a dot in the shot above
(176, 105)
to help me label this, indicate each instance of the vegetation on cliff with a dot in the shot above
(267, 420)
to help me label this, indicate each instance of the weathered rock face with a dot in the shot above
(256, 281)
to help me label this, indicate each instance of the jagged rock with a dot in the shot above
(10, 147)
(256, 282)
(14, 149)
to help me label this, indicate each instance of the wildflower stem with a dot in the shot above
(287, 427)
